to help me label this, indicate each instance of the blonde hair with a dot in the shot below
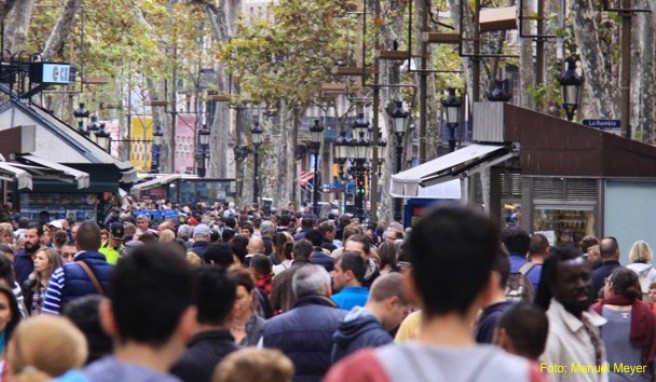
(6, 228)
(166, 236)
(640, 252)
(45, 347)
(254, 365)
(193, 259)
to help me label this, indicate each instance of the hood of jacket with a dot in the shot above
(356, 322)
(640, 268)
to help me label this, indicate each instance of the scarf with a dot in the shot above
(265, 282)
(643, 324)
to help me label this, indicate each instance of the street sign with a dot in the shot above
(603, 124)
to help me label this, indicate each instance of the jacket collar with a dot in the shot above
(219, 335)
(82, 255)
(314, 300)
(571, 321)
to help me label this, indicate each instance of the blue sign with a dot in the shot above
(603, 124)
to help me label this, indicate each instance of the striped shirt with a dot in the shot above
(52, 300)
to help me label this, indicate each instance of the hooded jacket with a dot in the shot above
(646, 273)
(360, 329)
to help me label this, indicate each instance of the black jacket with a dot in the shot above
(359, 330)
(203, 353)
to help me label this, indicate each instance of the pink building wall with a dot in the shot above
(184, 143)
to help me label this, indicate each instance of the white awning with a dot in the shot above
(22, 178)
(406, 184)
(81, 178)
(160, 181)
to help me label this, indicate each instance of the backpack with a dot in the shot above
(519, 287)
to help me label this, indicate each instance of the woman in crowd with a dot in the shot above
(641, 257)
(45, 347)
(630, 333)
(282, 250)
(388, 257)
(9, 319)
(246, 326)
(255, 365)
(45, 263)
(238, 244)
(166, 236)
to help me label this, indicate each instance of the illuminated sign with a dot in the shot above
(52, 73)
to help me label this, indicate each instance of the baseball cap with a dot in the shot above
(56, 223)
(117, 230)
(202, 230)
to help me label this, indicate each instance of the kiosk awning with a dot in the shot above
(11, 173)
(469, 159)
(81, 178)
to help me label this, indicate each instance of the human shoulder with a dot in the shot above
(362, 366)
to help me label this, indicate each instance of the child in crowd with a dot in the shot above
(522, 330)
(254, 365)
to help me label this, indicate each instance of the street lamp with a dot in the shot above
(452, 106)
(103, 137)
(360, 153)
(158, 138)
(316, 131)
(93, 129)
(570, 83)
(399, 117)
(80, 115)
(256, 136)
(204, 140)
(500, 91)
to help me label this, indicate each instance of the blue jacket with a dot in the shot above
(23, 266)
(359, 330)
(487, 322)
(319, 258)
(599, 275)
(305, 335)
(350, 297)
(517, 259)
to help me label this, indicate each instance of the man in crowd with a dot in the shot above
(267, 230)
(347, 279)
(497, 303)
(517, 243)
(368, 327)
(361, 244)
(113, 248)
(282, 294)
(184, 234)
(327, 230)
(143, 223)
(305, 333)
(307, 224)
(148, 337)
(87, 274)
(318, 257)
(538, 250)
(610, 259)
(201, 239)
(255, 247)
(445, 348)
(24, 259)
(215, 296)
(573, 329)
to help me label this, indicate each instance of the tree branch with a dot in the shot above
(62, 29)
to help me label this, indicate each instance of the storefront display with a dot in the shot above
(75, 207)
(568, 224)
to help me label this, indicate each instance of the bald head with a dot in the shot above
(255, 246)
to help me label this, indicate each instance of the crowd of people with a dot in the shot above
(217, 294)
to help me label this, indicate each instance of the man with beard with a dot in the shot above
(24, 260)
(575, 351)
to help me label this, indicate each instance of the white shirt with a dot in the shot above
(570, 354)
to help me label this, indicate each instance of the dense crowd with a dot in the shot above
(216, 294)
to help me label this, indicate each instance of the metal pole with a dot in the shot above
(626, 71)
(398, 215)
(174, 113)
(256, 188)
(359, 189)
(423, 85)
(452, 136)
(539, 46)
(476, 65)
(315, 182)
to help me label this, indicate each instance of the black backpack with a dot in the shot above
(519, 287)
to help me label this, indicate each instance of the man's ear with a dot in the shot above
(187, 323)
(411, 289)
(107, 321)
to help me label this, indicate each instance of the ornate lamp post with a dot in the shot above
(81, 114)
(256, 135)
(158, 138)
(360, 154)
(399, 117)
(570, 83)
(204, 140)
(317, 136)
(452, 106)
(93, 128)
(103, 138)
